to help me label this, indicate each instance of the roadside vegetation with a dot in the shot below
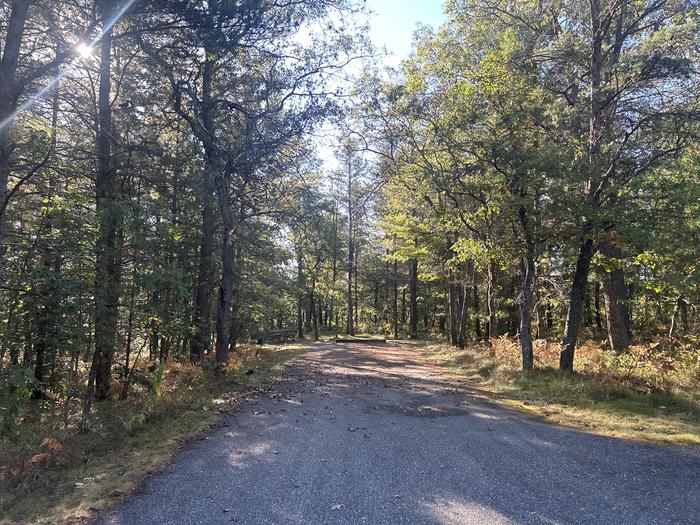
(53, 470)
(530, 173)
(650, 393)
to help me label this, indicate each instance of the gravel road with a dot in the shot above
(373, 434)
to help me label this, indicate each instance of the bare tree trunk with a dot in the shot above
(395, 302)
(573, 315)
(477, 306)
(491, 300)
(463, 316)
(615, 294)
(596, 306)
(201, 316)
(526, 291)
(9, 94)
(314, 310)
(526, 310)
(107, 271)
(300, 295)
(680, 312)
(356, 297)
(452, 307)
(413, 285)
(223, 305)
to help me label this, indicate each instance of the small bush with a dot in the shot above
(16, 387)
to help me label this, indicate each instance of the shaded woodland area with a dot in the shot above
(531, 172)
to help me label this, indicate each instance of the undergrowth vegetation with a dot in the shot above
(651, 392)
(55, 468)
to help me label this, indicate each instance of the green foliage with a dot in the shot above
(16, 386)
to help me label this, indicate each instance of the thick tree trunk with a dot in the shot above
(200, 340)
(223, 304)
(413, 285)
(107, 248)
(615, 294)
(9, 95)
(575, 311)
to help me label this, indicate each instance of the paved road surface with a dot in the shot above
(369, 435)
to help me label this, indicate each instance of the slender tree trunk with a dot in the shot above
(491, 300)
(573, 315)
(477, 306)
(452, 307)
(356, 298)
(351, 260)
(596, 306)
(201, 316)
(223, 305)
(463, 316)
(395, 301)
(680, 313)
(314, 310)
(526, 291)
(413, 285)
(526, 310)
(300, 295)
(107, 208)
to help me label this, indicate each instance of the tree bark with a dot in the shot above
(452, 306)
(201, 316)
(526, 310)
(575, 310)
(596, 306)
(615, 295)
(223, 305)
(351, 260)
(491, 300)
(395, 301)
(107, 248)
(9, 95)
(300, 295)
(413, 286)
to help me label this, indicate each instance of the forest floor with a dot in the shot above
(53, 473)
(648, 394)
(377, 433)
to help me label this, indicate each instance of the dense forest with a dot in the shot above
(532, 171)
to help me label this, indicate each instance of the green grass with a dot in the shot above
(607, 399)
(127, 440)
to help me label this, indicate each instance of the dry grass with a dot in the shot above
(52, 474)
(651, 393)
